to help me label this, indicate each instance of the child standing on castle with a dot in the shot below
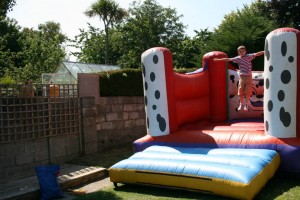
(245, 83)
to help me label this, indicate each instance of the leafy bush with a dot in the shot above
(125, 82)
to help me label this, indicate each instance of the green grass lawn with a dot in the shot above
(281, 187)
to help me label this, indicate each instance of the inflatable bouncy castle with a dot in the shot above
(197, 140)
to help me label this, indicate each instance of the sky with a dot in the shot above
(197, 14)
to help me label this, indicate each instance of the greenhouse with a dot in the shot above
(67, 72)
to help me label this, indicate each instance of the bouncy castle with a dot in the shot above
(198, 140)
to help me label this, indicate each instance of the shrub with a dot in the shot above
(125, 82)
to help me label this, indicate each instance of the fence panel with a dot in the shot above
(38, 111)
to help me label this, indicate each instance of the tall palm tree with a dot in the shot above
(110, 13)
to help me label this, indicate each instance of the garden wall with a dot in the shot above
(105, 123)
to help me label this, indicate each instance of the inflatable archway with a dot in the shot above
(198, 140)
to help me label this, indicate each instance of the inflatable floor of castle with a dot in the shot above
(198, 140)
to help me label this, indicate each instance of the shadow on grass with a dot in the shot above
(99, 195)
(281, 186)
(166, 193)
(105, 158)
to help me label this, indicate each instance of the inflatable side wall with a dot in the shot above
(172, 99)
(282, 88)
(155, 65)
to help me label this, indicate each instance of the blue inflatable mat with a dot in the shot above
(237, 173)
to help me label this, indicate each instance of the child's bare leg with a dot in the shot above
(241, 102)
(247, 102)
(247, 99)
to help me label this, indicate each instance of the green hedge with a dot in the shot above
(125, 82)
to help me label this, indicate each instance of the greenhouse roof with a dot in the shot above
(75, 67)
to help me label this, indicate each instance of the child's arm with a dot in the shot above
(221, 59)
(259, 53)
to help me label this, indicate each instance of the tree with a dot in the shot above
(5, 6)
(91, 44)
(243, 27)
(148, 25)
(110, 13)
(192, 48)
(9, 44)
(42, 52)
(285, 13)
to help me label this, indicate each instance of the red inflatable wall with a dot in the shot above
(217, 86)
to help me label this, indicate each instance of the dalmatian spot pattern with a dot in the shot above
(283, 48)
(267, 125)
(271, 68)
(155, 59)
(162, 122)
(152, 76)
(232, 78)
(281, 95)
(260, 83)
(267, 83)
(270, 106)
(146, 101)
(285, 77)
(147, 121)
(144, 69)
(285, 117)
(150, 73)
(267, 51)
(157, 94)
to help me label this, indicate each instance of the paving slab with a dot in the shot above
(71, 176)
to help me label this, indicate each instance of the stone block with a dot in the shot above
(125, 100)
(118, 124)
(89, 122)
(107, 125)
(41, 156)
(98, 126)
(87, 102)
(134, 115)
(101, 108)
(125, 115)
(140, 122)
(112, 100)
(129, 107)
(100, 117)
(24, 158)
(141, 107)
(8, 161)
(57, 147)
(117, 108)
(129, 123)
(88, 112)
(103, 100)
(111, 117)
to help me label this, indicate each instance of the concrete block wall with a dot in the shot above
(19, 159)
(120, 120)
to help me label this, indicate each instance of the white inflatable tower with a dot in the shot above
(281, 87)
